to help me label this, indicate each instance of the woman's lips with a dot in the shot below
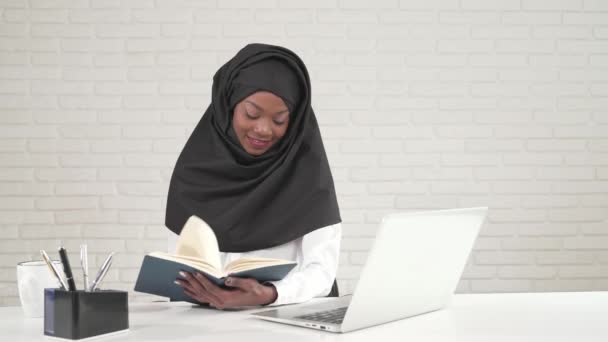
(258, 143)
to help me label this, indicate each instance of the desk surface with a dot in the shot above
(561, 316)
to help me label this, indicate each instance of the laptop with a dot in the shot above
(412, 268)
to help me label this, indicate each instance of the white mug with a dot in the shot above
(32, 278)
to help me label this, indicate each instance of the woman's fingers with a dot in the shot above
(199, 284)
(212, 290)
(193, 286)
(197, 292)
(244, 291)
(198, 297)
(244, 284)
(185, 284)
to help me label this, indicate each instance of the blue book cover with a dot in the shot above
(197, 250)
(157, 276)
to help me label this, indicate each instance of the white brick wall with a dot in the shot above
(422, 105)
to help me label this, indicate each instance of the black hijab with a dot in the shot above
(255, 202)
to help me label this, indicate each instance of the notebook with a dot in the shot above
(197, 250)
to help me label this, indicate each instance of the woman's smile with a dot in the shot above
(257, 143)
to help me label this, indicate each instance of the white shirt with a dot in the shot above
(317, 254)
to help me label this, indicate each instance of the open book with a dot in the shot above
(197, 251)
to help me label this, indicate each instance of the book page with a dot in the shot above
(197, 241)
(192, 262)
(253, 263)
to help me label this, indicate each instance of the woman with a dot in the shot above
(256, 171)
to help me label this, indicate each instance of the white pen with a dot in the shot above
(102, 272)
(53, 270)
(84, 262)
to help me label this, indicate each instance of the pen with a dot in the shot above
(53, 270)
(67, 269)
(102, 272)
(84, 262)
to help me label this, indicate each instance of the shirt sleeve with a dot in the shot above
(318, 256)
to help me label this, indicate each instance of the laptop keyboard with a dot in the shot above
(335, 316)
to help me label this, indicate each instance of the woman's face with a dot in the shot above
(260, 121)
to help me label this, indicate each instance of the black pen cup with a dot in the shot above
(79, 314)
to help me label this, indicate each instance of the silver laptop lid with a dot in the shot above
(414, 265)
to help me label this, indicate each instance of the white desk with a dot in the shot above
(574, 316)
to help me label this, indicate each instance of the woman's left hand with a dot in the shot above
(243, 292)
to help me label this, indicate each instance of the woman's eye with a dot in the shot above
(251, 117)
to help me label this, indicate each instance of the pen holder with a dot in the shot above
(78, 314)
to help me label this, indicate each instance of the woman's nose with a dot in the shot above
(262, 129)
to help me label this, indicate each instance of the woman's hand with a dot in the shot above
(243, 291)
